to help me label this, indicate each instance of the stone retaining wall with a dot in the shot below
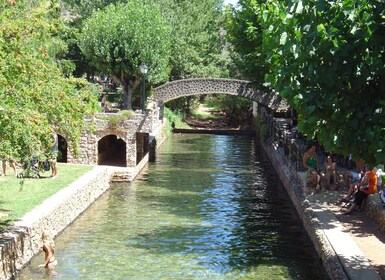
(375, 209)
(293, 187)
(23, 240)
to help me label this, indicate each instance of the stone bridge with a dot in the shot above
(126, 143)
(198, 86)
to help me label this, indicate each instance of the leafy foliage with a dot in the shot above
(174, 119)
(327, 59)
(116, 119)
(245, 35)
(197, 39)
(237, 110)
(35, 97)
(119, 38)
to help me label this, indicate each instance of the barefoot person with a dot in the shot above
(330, 172)
(50, 261)
(55, 150)
(12, 164)
(354, 175)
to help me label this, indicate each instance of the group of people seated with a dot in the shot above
(363, 181)
(360, 189)
(316, 176)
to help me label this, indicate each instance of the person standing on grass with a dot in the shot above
(12, 164)
(54, 155)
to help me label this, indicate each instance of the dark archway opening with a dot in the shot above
(112, 151)
(62, 155)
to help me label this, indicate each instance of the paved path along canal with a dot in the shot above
(363, 231)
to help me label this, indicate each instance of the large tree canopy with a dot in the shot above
(197, 40)
(327, 59)
(35, 97)
(119, 38)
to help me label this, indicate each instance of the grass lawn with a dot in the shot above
(19, 196)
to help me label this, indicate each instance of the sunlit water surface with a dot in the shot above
(210, 207)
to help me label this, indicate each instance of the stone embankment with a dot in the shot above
(20, 242)
(23, 240)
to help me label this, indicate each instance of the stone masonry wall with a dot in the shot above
(100, 126)
(23, 240)
(187, 87)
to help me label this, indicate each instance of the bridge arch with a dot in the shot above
(198, 86)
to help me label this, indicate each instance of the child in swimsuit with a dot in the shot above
(50, 261)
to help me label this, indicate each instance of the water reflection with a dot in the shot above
(210, 207)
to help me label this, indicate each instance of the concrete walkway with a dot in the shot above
(354, 262)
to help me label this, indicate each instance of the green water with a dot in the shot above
(210, 207)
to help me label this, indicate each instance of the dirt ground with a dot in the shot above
(214, 120)
(364, 231)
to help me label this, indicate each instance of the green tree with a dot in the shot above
(74, 13)
(245, 36)
(197, 38)
(197, 44)
(35, 97)
(118, 39)
(327, 59)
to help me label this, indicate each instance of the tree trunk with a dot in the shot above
(127, 97)
(129, 86)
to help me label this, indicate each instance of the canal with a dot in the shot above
(210, 207)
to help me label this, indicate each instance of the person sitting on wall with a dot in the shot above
(310, 162)
(331, 172)
(354, 175)
(353, 188)
(368, 185)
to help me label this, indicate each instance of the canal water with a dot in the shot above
(210, 207)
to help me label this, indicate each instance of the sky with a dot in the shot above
(232, 2)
